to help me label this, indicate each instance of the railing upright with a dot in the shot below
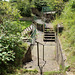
(40, 67)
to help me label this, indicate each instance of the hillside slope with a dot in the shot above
(68, 35)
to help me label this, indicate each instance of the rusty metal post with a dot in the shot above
(43, 27)
(57, 45)
(38, 52)
(43, 52)
(41, 72)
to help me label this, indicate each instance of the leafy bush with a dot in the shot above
(11, 46)
(25, 8)
(26, 11)
(8, 12)
(40, 4)
(73, 5)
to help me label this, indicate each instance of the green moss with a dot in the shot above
(52, 72)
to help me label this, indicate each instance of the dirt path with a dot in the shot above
(51, 64)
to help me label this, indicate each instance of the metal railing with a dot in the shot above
(59, 54)
(40, 67)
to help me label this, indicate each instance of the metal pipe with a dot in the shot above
(43, 52)
(38, 52)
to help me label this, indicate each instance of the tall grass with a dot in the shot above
(68, 35)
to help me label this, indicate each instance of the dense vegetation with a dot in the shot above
(12, 48)
(68, 35)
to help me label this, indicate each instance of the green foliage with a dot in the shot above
(68, 35)
(25, 71)
(52, 73)
(53, 4)
(22, 24)
(73, 5)
(30, 71)
(8, 28)
(25, 8)
(66, 68)
(12, 48)
(8, 12)
(39, 4)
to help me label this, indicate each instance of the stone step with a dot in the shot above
(49, 37)
(49, 40)
(48, 28)
(48, 31)
(49, 34)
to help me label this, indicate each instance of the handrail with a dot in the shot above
(40, 67)
(39, 42)
(59, 49)
(59, 46)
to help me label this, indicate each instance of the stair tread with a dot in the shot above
(48, 39)
(49, 36)
(48, 28)
(49, 31)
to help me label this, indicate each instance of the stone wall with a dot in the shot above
(28, 55)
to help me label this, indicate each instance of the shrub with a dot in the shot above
(25, 8)
(39, 4)
(73, 5)
(11, 47)
(9, 12)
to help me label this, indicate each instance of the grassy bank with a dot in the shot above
(23, 24)
(68, 35)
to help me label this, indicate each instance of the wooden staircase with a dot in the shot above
(49, 35)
